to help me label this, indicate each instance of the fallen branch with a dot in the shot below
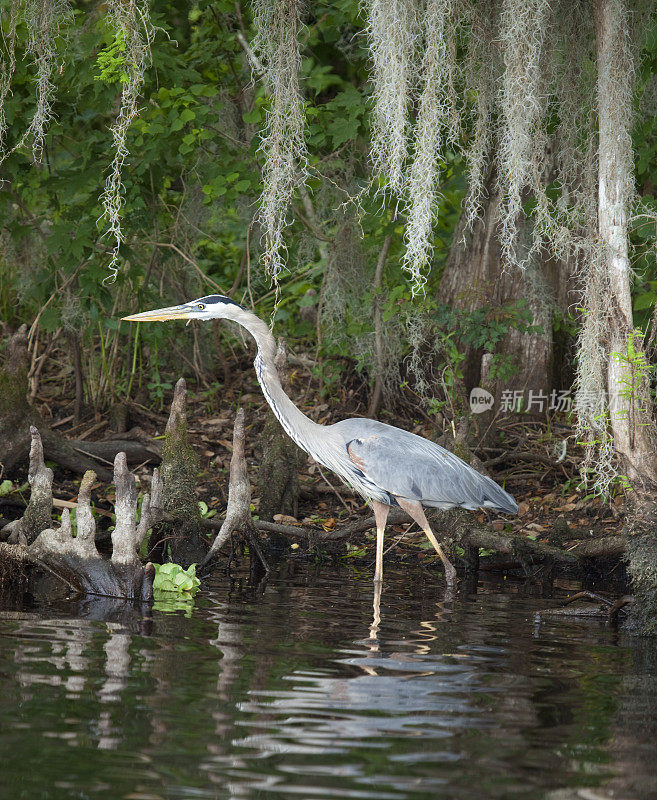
(107, 450)
(599, 548)
(454, 527)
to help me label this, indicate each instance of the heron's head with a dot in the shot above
(213, 306)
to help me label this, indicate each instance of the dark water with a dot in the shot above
(287, 695)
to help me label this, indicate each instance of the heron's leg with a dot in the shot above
(414, 509)
(380, 515)
(376, 617)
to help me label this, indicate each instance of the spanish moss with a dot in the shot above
(437, 125)
(394, 31)
(7, 68)
(46, 24)
(523, 97)
(134, 32)
(276, 44)
(481, 69)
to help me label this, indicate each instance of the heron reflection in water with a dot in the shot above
(388, 466)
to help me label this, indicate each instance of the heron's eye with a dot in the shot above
(200, 306)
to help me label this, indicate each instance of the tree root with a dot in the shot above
(181, 528)
(74, 559)
(280, 458)
(238, 511)
(37, 515)
(606, 609)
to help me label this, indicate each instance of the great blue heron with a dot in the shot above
(386, 465)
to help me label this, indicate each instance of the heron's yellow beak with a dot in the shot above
(160, 315)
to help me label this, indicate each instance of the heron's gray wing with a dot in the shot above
(411, 467)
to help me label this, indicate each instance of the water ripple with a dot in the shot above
(298, 692)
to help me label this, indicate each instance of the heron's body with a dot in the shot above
(386, 465)
(396, 463)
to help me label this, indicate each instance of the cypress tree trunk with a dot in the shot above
(474, 279)
(630, 413)
(634, 439)
(17, 414)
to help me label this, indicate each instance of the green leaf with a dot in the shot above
(187, 115)
(172, 577)
(644, 300)
(308, 300)
(342, 129)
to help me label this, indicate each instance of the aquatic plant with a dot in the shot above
(172, 578)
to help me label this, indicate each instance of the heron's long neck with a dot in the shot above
(300, 428)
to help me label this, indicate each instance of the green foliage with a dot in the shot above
(190, 188)
(636, 371)
(172, 578)
(204, 511)
(111, 60)
(484, 329)
(644, 221)
(353, 551)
